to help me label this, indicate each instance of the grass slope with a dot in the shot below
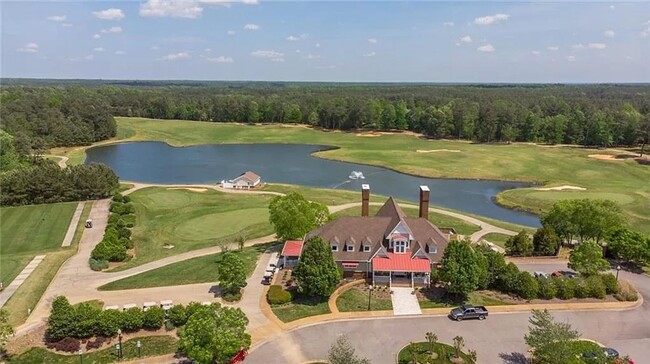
(191, 271)
(497, 239)
(27, 231)
(626, 181)
(300, 308)
(193, 220)
(354, 300)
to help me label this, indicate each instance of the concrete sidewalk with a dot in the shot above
(404, 302)
(67, 240)
(20, 278)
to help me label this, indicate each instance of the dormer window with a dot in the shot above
(335, 248)
(400, 247)
(366, 248)
(432, 248)
(350, 248)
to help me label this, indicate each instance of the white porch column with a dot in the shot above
(373, 278)
(390, 279)
(412, 284)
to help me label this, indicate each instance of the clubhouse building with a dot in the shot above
(389, 248)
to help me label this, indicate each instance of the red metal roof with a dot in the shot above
(401, 263)
(292, 248)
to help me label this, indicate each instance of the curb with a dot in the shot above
(331, 302)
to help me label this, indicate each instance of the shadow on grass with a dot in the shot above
(440, 295)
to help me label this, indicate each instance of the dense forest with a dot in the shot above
(593, 115)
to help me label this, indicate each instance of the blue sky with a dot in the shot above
(328, 41)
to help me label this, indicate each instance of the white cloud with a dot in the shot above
(175, 56)
(612, 7)
(96, 36)
(119, 53)
(29, 48)
(491, 19)
(221, 59)
(466, 39)
(448, 24)
(272, 55)
(189, 9)
(597, 45)
(298, 51)
(609, 33)
(67, 25)
(231, 32)
(536, 53)
(112, 30)
(311, 56)
(571, 58)
(294, 38)
(154, 48)
(251, 27)
(98, 49)
(486, 48)
(553, 48)
(371, 54)
(109, 14)
(372, 40)
(457, 44)
(57, 18)
(317, 45)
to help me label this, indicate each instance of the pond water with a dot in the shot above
(157, 162)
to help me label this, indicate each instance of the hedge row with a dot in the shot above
(117, 235)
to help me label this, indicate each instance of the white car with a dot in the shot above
(541, 275)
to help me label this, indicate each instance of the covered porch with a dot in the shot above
(401, 270)
(401, 279)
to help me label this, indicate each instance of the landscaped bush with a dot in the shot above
(122, 208)
(231, 296)
(527, 287)
(277, 295)
(112, 252)
(509, 279)
(610, 282)
(565, 288)
(97, 343)
(191, 308)
(86, 318)
(177, 315)
(123, 232)
(547, 288)
(626, 292)
(126, 243)
(68, 345)
(132, 319)
(61, 322)
(595, 287)
(153, 318)
(98, 265)
(580, 287)
(109, 322)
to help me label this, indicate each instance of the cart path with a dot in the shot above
(72, 228)
(6, 294)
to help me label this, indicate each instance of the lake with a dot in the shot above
(158, 162)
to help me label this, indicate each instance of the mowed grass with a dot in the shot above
(441, 221)
(516, 162)
(27, 231)
(299, 308)
(28, 294)
(473, 298)
(329, 197)
(191, 271)
(354, 300)
(151, 346)
(497, 239)
(193, 220)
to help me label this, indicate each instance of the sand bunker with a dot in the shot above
(368, 135)
(193, 189)
(437, 150)
(604, 157)
(562, 188)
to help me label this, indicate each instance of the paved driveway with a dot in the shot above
(499, 339)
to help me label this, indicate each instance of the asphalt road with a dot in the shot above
(499, 339)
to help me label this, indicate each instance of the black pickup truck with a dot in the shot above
(468, 312)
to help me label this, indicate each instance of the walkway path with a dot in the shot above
(72, 228)
(18, 281)
(404, 301)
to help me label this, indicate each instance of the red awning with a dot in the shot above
(350, 264)
(401, 263)
(292, 248)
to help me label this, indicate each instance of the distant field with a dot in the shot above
(193, 220)
(625, 181)
(27, 231)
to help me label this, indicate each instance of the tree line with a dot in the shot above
(593, 115)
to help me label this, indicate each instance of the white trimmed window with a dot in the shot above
(366, 248)
(400, 247)
(335, 248)
(350, 248)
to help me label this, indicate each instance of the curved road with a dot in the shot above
(499, 339)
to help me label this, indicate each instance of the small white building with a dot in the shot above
(245, 181)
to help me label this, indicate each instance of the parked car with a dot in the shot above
(541, 275)
(609, 353)
(564, 273)
(468, 312)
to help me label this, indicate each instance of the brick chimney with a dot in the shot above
(424, 202)
(365, 199)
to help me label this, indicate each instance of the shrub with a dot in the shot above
(114, 219)
(277, 295)
(123, 232)
(169, 326)
(527, 286)
(153, 318)
(581, 287)
(98, 265)
(85, 320)
(232, 296)
(610, 282)
(519, 245)
(191, 308)
(109, 322)
(97, 343)
(126, 243)
(177, 315)
(111, 235)
(565, 288)
(595, 287)
(68, 345)
(547, 288)
(61, 322)
(626, 292)
(129, 220)
(132, 319)
(112, 252)
(508, 279)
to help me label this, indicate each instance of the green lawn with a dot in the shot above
(151, 346)
(28, 294)
(27, 231)
(354, 300)
(474, 298)
(497, 239)
(329, 197)
(421, 349)
(624, 180)
(193, 220)
(195, 270)
(300, 308)
(439, 220)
